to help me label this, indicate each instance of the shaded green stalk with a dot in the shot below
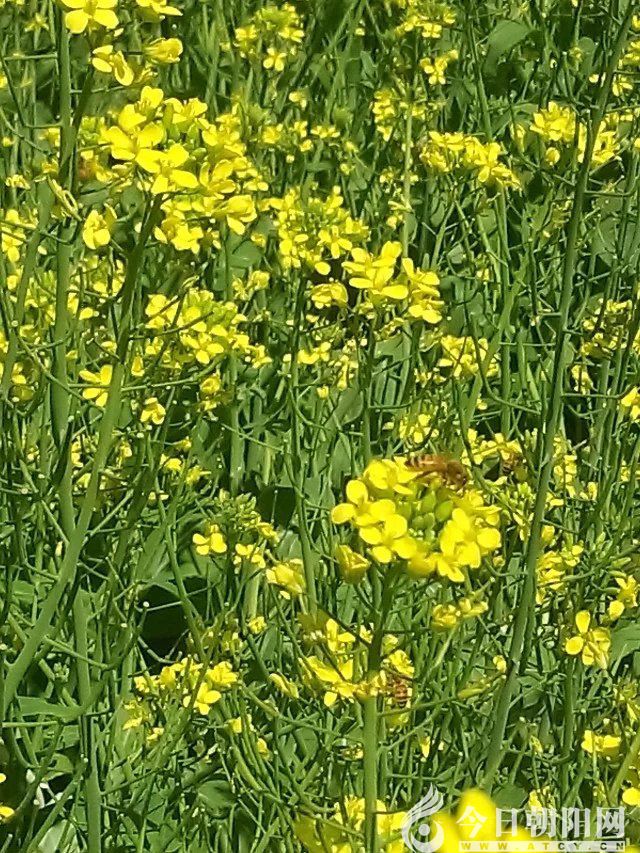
(299, 468)
(68, 567)
(525, 613)
(382, 592)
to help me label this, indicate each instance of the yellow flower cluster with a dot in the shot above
(15, 225)
(390, 107)
(606, 329)
(249, 539)
(630, 404)
(553, 569)
(426, 17)
(421, 523)
(169, 148)
(338, 670)
(609, 747)
(189, 681)
(449, 152)
(127, 71)
(446, 617)
(416, 428)
(272, 36)
(508, 451)
(374, 275)
(559, 128)
(337, 832)
(195, 329)
(313, 231)
(436, 68)
(462, 356)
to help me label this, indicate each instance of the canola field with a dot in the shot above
(319, 422)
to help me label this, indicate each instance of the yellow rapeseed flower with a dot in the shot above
(592, 643)
(210, 542)
(98, 389)
(90, 14)
(98, 227)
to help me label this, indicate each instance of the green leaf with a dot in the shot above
(53, 840)
(510, 797)
(502, 40)
(625, 641)
(246, 255)
(216, 796)
(34, 706)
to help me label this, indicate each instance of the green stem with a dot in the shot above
(525, 614)
(299, 468)
(381, 604)
(69, 564)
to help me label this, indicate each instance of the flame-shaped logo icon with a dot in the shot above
(416, 831)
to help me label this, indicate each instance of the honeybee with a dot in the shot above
(398, 689)
(450, 470)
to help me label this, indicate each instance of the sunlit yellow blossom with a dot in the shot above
(128, 147)
(353, 566)
(257, 625)
(211, 541)
(606, 745)
(166, 167)
(388, 475)
(153, 411)
(555, 123)
(90, 14)
(203, 699)
(163, 51)
(98, 227)
(98, 388)
(325, 295)
(389, 539)
(289, 576)
(630, 403)
(627, 596)
(221, 676)
(592, 643)
(107, 60)
(357, 508)
(373, 273)
(436, 68)
(156, 10)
